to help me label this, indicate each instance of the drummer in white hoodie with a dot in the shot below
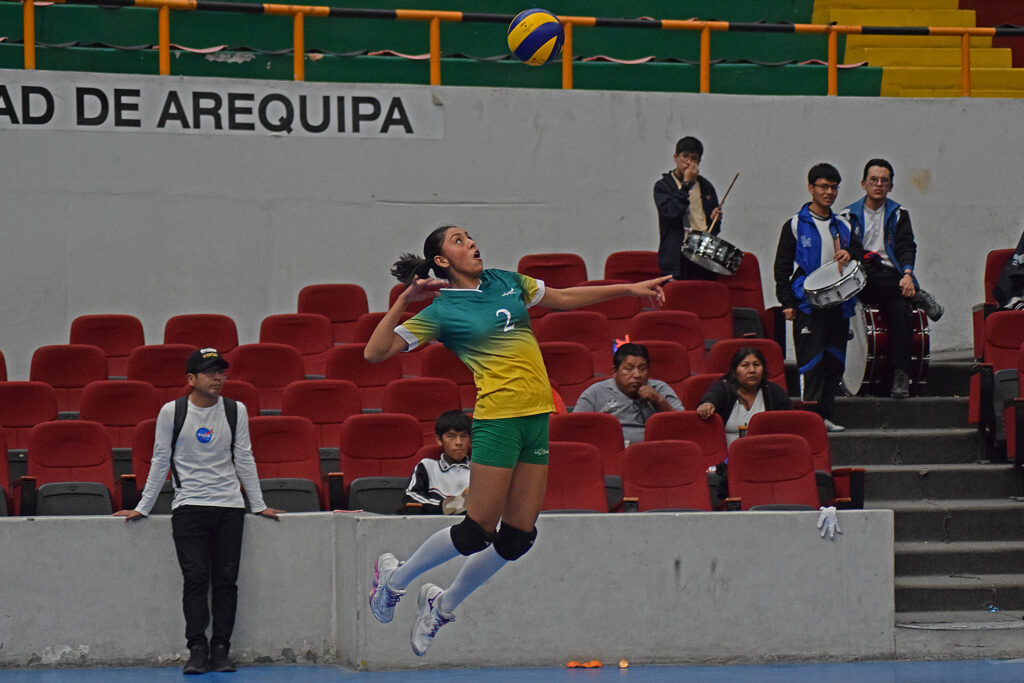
(812, 238)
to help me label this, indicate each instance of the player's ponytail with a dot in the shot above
(410, 267)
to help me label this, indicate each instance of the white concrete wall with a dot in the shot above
(653, 588)
(158, 224)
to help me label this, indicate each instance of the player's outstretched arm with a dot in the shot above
(384, 343)
(575, 297)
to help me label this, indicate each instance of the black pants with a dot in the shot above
(820, 341)
(209, 545)
(883, 292)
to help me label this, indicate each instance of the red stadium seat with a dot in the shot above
(437, 361)
(163, 366)
(771, 469)
(23, 405)
(571, 366)
(70, 471)
(116, 334)
(347, 362)
(3, 368)
(556, 270)
(308, 333)
(669, 362)
(745, 291)
(721, 354)
(992, 380)
(269, 368)
(994, 263)
(119, 405)
(243, 392)
(342, 304)
(575, 478)
(68, 368)
(425, 398)
(285, 450)
(133, 484)
(844, 486)
(202, 330)
(681, 327)
(709, 301)
(584, 327)
(686, 425)
(6, 503)
(324, 402)
(618, 311)
(693, 388)
(378, 445)
(664, 475)
(632, 266)
(602, 430)
(367, 323)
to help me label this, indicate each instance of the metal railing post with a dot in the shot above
(299, 46)
(435, 50)
(833, 61)
(705, 59)
(965, 64)
(567, 58)
(28, 14)
(163, 23)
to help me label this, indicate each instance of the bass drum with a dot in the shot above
(868, 367)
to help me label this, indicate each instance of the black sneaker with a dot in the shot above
(219, 660)
(932, 308)
(900, 384)
(198, 660)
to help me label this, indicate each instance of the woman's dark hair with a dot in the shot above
(408, 267)
(738, 357)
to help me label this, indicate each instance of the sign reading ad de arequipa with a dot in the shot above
(72, 101)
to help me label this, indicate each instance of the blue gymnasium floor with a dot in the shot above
(973, 671)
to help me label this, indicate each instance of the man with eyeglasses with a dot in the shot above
(883, 227)
(685, 200)
(812, 238)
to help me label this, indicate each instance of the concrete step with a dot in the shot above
(919, 412)
(995, 57)
(949, 378)
(856, 42)
(981, 557)
(901, 17)
(968, 592)
(972, 634)
(919, 482)
(898, 78)
(955, 92)
(954, 521)
(871, 447)
(823, 7)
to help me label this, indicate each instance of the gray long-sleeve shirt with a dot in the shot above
(202, 458)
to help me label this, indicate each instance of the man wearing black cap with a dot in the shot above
(208, 456)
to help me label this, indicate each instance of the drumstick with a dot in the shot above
(727, 191)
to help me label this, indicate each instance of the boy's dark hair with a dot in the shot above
(452, 420)
(690, 145)
(878, 162)
(823, 171)
(629, 350)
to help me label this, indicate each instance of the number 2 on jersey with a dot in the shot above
(509, 325)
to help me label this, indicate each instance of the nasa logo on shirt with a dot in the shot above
(204, 434)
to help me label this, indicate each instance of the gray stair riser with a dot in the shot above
(1001, 524)
(949, 378)
(938, 412)
(964, 446)
(919, 483)
(946, 599)
(922, 563)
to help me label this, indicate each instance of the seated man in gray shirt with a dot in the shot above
(629, 394)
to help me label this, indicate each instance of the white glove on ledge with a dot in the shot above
(828, 523)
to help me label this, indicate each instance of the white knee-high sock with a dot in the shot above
(434, 551)
(478, 568)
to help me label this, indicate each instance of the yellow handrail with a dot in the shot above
(435, 17)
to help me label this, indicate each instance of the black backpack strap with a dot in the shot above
(231, 413)
(180, 413)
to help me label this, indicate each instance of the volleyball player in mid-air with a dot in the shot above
(481, 315)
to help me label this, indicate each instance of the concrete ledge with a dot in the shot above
(654, 588)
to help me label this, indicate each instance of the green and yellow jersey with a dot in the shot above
(488, 328)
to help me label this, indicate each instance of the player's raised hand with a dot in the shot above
(422, 288)
(651, 289)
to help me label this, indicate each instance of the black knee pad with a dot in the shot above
(512, 543)
(468, 537)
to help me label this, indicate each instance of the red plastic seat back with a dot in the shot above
(693, 388)
(682, 327)
(24, 405)
(687, 425)
(632, 266)
(116, 334)
(202, 330)
(3, 367)
(802, 423)
(243, 392)
(71, 450)
(994, 264)
(772, 468)
(119, 405)
(745, 285)
(310, 334)
(347, 362)
(437, 361)
(709, 301)
(618, 311)
(163, 366)
(379, 445)
(666, 474)
(570, 365)
(425, 398)
(1004, 332)
(575, 478)
(269, 368)
(341, 303)
(584, 327)
(285, 446)
(602, 430)
(68, 368)
(722, 352)
(142, 452)
(557, 270)
(326, 403)
(669, 362)
(5, 477)
(367, 323)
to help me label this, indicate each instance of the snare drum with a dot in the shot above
(868, 368)
(711, 252)
(827, 287)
